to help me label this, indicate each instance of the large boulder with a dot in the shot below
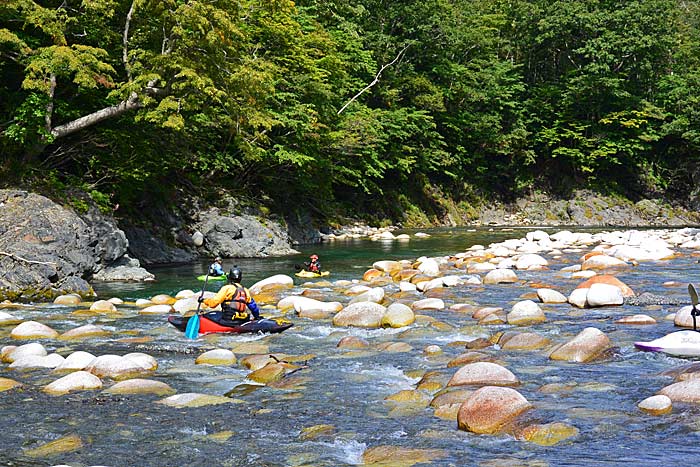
(586, 346)
(49, 250)
(242, 236)
(362, 314)
(488, 409)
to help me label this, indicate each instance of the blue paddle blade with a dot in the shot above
(192, 330)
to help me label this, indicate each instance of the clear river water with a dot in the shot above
(347, 390)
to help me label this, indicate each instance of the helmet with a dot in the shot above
(235, 275)
(217, 259)
(313, 256)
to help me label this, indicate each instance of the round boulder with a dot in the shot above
(488, 409)
(363, 314)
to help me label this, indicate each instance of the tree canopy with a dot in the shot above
(360, 104)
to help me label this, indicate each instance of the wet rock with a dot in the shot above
(601, 261)
(76, 381)
(193, 399)
(10, 353)
(278, 281)
(363, 314)
(7, 319)
(141, 386)
(314, 432)
(352, 342)
(548, 434)
(483, 373)
(75, 361)
(156, 310)
(428, 304)
(489, 408)
(683, 391)
(217, 357)
(636, 320)
(257, 361)
(398, 315)
(33, 330)
(56, 447)
(500, 276)
(115, 367)
(32, 362)
(84, 332)
(69, 299)
(374, 294)
(468, 357)
(269, 373)
(550, 296)
(524, 313)
(586, 346)
(103, 305)
(7, 384)
(523, 341)
(656, 405)
(531, 261)
(396, 456)
(609, 280)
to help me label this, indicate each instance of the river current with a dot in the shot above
(347, 390)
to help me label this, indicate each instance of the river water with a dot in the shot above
(346, 390)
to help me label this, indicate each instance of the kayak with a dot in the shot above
(206, 326)
(212, 278)
(679, 344)
(309, 274)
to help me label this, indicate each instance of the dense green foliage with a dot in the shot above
(350, 105)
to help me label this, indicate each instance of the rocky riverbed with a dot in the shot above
(525, 343)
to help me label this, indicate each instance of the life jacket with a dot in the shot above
(313, 267)
(237, 306)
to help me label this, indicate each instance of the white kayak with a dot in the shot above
(679, 343)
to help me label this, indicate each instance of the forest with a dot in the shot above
(349, 107)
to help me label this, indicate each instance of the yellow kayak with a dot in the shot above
(309, 274)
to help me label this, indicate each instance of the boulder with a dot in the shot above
(141, 386)
(398, 315)
(524, 313)
(489, 408)
(363, 314)
(586, 346)
(217, 357)
(76, 381)
(277, 281)
(33, 330)
(660, 404)
(483, 373)
(550, 296)
(500, 276)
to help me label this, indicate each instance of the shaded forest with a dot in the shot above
(352, 108)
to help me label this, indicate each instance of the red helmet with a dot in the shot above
(313, 256)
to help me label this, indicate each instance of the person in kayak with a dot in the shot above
(216, 269)
(314, 265)
(235, 301)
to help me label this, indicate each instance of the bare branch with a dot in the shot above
(49, 106)
(125, 40)
(375, 80)
(24, 259)
(131, 103)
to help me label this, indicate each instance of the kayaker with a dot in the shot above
(216, 269)
(235, 301)
(314, 265)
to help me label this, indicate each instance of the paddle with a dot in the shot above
(694, 299)
(192, 329)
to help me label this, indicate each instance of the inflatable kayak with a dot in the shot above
(212, 278)
(309, 274)
(206, 326)
(679, 344)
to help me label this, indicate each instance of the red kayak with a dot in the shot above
(206, 326)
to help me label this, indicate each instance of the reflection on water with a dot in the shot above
(345, 389)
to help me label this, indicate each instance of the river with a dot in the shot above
(347, 390)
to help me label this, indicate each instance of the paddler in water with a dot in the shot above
(314, 265)
(216, 269)
(235, 301)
